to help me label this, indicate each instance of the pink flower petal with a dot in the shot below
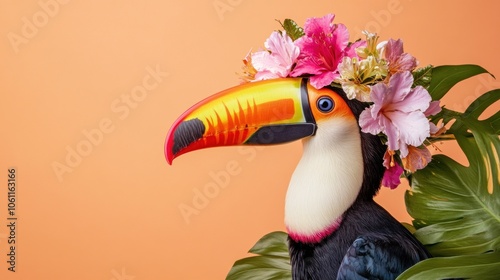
(388, 157)
(263, 60)
(403, 148)
(265, 75)
(350, 51)
(379, 98)
(417, 99)
(413, 127)
(437, 130)
(392, 133)
(283, 48)
(434, 108)
(393, 49)
(369, 124)
(315, 26)
(323, 79)
(278, 59)
(341, 34)
(306, 65)
(417, 158)
(406, 62)
(392, 176)
(400, 85)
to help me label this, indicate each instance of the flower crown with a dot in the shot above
(381, 74)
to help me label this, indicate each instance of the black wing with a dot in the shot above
(377, 256)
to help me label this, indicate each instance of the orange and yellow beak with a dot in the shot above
(266, 112)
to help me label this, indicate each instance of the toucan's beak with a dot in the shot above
(265, 112)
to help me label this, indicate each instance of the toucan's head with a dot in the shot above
(269, 112)
(259, 113)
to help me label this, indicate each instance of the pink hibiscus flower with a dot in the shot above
(321, 49)
(398, 112)
(398, 60)
(278, 59)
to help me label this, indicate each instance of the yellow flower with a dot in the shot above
(372, 48)
(356, 76)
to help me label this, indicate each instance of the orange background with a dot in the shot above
(114, 213)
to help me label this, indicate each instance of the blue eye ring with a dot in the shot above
(325, 104)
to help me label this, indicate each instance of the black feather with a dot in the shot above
(375, 256)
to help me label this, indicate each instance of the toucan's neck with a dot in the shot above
(326, 182)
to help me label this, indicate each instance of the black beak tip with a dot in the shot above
(181, 135)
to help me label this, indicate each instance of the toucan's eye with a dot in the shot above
(325, 104)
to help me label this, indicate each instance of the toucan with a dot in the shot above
(335, 229)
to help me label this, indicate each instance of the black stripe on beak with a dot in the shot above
(304, 96)
(277, 134)
(186, 133)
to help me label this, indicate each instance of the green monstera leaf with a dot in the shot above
(446, 76)
(272, 261)
(484, 267)
(456, 208)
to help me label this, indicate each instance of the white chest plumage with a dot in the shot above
(326, 181)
